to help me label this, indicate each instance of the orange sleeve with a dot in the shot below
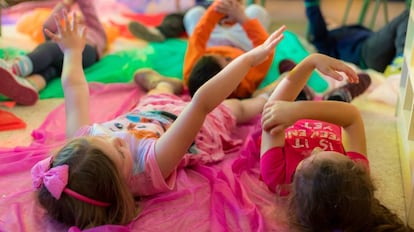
(255, 31)
(197, 42)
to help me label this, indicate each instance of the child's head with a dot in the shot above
(329, 192)
(92, 174)
(205, 68)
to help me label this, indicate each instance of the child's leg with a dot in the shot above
(317, 33)
(39, 59)
(246, 109)
(155, 83)
(384, 45)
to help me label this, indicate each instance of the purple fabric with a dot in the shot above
(226, 196)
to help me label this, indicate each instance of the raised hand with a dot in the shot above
(70, 35)
(260, 53)
(330, 66)
(234, 11)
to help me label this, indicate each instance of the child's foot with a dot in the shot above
(349, 91)
(16, 88)
(150, 34)
(148, 79)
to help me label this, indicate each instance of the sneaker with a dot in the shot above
(286, 65)
(16, 88)
(148, 79)
(150, 34)
(349, 91)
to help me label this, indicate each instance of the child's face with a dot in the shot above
(117, 150)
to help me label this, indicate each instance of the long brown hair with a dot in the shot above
(92, 174)
(329, 195)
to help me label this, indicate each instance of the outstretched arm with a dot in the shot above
(71, 40)
(172, 145)
(278, 114)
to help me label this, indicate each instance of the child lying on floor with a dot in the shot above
(301, 144)
(94, 178)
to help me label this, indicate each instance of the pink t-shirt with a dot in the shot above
(141, 128)
(278, 164)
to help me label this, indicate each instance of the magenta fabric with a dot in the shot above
(225, 196)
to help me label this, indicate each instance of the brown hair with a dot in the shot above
(94, 175)
(329, 195)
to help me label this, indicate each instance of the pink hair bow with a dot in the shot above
(54, 179)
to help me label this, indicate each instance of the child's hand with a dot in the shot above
(260, 53)
(68, 2)
(330, 66)
(71, 36)
(278, 115)
(234, 11)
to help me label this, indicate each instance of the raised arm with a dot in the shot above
(172, 146)
(278, 115)
(71, 39)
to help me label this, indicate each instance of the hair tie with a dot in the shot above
(56, 179)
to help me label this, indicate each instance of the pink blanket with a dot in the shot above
(227, 196)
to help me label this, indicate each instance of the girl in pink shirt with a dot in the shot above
(93, 179)
(301, 145)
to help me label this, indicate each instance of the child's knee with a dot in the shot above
(258, 12)
(192, 17)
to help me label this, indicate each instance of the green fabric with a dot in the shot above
(166, 58)
(291, 48)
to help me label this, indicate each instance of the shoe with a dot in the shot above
(349, 91)
(286, 65)
(148, 79)
(150, 34)
(16, 88)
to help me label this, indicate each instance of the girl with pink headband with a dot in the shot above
(94, 179)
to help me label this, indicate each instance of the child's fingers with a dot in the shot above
(83, 31)
(52, 35)
(66, 22)
(73, 23)
(333, 74)
(58, 24)
(352, 75)
(276, 130)
(276, 33)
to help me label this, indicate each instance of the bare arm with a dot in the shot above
(288, 89)
(283, 114)
(71, 40)
(172, 145)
